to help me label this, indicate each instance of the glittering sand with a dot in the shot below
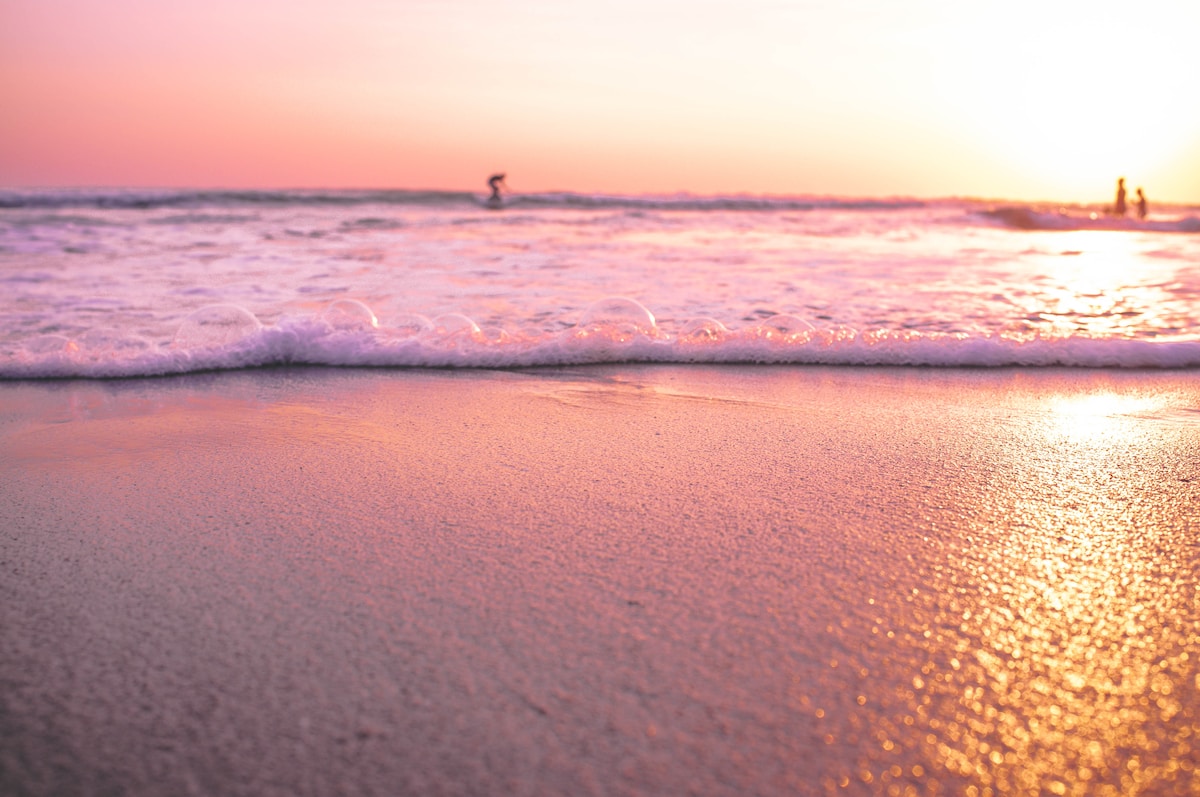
(620, 580)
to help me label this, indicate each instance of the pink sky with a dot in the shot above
(1039, 100)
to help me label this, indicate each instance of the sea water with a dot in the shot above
(135, 283)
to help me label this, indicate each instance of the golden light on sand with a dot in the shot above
(1099, 418)
(1064, 672)
(1064, 680)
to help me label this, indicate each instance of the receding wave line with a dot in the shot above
(139, 199)
(615, 330)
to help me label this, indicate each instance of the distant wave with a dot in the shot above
(1014, 216)
(144, 199)
(709, 203)
(1021, 217)
(616, 330)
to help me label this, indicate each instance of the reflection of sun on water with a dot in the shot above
(1105, 290)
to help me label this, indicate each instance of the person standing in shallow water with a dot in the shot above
(1119, 207)
(1141, 203)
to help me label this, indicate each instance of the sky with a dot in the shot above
(1039, 100)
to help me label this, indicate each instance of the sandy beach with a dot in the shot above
(619, 580)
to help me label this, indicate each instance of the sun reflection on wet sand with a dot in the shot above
(1100, 418)
(1019, 613)
(1072, 625)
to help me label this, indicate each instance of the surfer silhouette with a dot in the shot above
(1119, 207)
(1141, 203)
(495, 182)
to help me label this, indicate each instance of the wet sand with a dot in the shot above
(618, 580)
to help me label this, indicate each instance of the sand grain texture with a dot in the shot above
(611, 580)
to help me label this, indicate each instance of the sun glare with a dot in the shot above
(1067, 94)
(1101, 418)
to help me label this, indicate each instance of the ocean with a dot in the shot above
(640, 577)
(122, 283)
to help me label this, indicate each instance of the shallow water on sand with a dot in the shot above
(116, 285)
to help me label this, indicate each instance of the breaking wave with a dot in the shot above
(615, 330)
(1021, 217)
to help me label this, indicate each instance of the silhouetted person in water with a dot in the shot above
(1141, 204)
(1119, 208)
(495, 182)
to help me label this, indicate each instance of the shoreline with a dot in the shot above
(635, 579)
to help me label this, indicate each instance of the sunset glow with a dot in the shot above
(1048, 100)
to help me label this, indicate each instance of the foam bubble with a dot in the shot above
(703, 330)
(494, 335)
(216, 325)
(349, 314)
(450, 329)
(619, 314)
(784, 327)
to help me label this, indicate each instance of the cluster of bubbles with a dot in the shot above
(615, 320)
(347, 332)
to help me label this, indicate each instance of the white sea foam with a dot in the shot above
(132, 283)
(613, 330)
